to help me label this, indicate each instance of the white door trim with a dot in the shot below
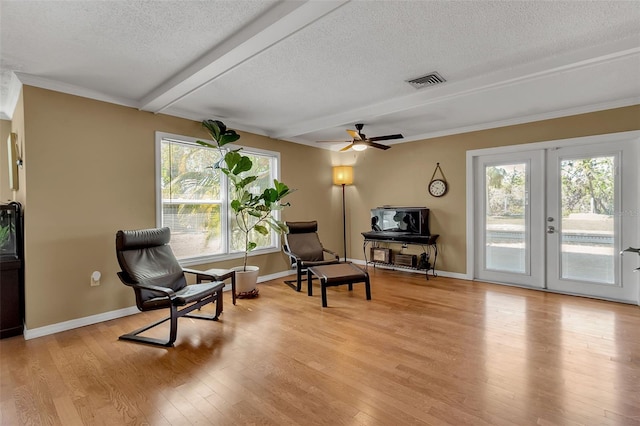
(472, 154)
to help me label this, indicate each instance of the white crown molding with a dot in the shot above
(528, 119)
(45, 83)
(585, 109)
(549, 67)
(8, 106)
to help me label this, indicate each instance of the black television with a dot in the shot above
(400, 220)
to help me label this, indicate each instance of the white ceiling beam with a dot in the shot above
(278, 23)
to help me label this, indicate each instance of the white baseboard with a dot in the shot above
(79, 322)
(453, 275)
(107, 316)
(277, 275)
(416, 271)
(119, 313)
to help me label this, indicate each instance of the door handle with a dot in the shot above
(551, 229)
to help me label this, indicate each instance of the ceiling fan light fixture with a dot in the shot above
(360, 141)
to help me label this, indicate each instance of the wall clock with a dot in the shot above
(438, 187)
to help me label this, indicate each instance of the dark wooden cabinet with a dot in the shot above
(11, 299)
(11, 270)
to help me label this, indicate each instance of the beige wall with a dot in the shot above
(90, 171)
(400, 175)
(89, 167)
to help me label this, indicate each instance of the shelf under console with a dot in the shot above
(397, 260)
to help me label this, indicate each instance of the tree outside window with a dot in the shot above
(194, 199)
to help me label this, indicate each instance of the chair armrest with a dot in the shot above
(331, 253)
(164, 290)
(286, 251)
(203, 275)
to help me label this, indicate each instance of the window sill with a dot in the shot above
(201, 260)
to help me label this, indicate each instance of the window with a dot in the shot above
(192, 199)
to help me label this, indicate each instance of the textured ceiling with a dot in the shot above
(306, 71)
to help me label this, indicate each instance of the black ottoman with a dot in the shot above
(337, 274)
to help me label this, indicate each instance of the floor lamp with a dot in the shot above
(343, 175)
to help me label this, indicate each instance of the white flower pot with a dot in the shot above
(246, 281)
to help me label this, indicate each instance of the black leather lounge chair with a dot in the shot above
(151, 269)
(304, 249)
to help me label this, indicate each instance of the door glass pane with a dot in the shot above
(587, 228)
(506, 218)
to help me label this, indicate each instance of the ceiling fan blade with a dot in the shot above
(346, 148)
(386, 138)
(375, 145)
(355, 135)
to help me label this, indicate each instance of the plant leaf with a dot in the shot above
(243, 164)
(270, 195)
(246, 181)
(232, 158)
(261, 229)
(228, 137)
(207, 144)
(214, 128)
(281, 225)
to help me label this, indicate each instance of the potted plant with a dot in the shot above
(253, 212)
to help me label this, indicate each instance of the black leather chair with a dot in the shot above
(304, 249)
(151, 269)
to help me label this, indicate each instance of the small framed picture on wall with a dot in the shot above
(12, 148)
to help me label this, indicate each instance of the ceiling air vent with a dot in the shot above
(427, 80)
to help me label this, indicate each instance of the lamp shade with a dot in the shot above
(343, 175)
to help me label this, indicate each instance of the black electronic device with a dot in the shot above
(397, 221)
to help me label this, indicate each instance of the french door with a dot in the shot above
(509, 196)
(558, 217)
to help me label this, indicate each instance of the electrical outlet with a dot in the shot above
(95, 278)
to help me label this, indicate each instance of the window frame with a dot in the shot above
(226, 215)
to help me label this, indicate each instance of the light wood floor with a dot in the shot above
(440, 352)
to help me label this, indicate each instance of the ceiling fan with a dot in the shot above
(360, 141)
